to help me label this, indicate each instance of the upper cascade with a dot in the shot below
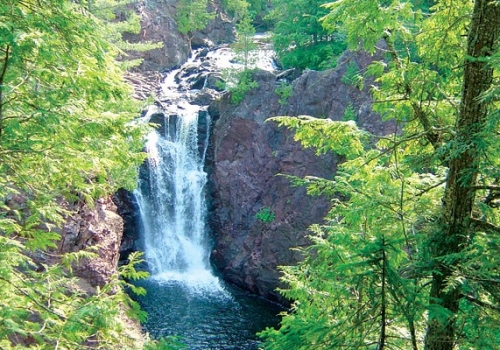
(199, 81)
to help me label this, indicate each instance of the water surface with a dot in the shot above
(224, 318)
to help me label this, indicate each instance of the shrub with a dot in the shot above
(265, 215)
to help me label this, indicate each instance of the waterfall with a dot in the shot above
(170, 193)
(172, 205)
(183, 297)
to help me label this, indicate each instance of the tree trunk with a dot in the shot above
(2, 88)
(463, 170)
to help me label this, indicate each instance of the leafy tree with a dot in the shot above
(284, 91)
(240, 8)
(66, 133)
(299, 38)
(119, 19)
(244, 44)
(236, 8)
(409, 257)
(238, 83)
(240, 80)
(193, 15)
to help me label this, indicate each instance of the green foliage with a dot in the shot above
(167, 343)
(284, 91)
(193, 15)
(66, 135)
(399, 262)
(238, 83)
(241, 8)
(299, 39)
(244, 85)
(265, 215)
(352, 75)
(324, 134)
(236, 8)
(244, 44)
(349, 114)
(43, 307)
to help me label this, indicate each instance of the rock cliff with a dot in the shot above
(247, 154)
(100, 227)
(158, 24)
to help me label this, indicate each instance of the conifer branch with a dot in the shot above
(479, 225)
(481, 303)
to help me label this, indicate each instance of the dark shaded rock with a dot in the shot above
(203, 131)
(187, 71)
(159, 119)
(128, 210)
(246, 156)
(215, 82)
(204, 98)
(289, 75)
(203, 52)
(199, 82)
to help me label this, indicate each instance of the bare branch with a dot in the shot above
(2, 76)
(430, 188)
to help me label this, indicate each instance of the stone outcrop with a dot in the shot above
(158, 24)
(220, 30)
(99, 227)
(247, 154)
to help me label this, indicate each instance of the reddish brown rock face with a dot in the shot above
(246, 156)
(89, 227)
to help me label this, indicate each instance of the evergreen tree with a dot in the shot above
(66, 133)
(409, 257)
(244, 44)
(193, 15)
(239, 81)
(236, 8)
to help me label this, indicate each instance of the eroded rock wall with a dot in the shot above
(158, 24)
(99, 228)
(247, 155)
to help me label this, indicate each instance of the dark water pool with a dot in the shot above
(218, 317)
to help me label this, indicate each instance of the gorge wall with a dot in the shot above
(247, 154)
(158, 24)
(100, 227)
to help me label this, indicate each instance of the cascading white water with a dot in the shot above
(170, 194)
(172, 204)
